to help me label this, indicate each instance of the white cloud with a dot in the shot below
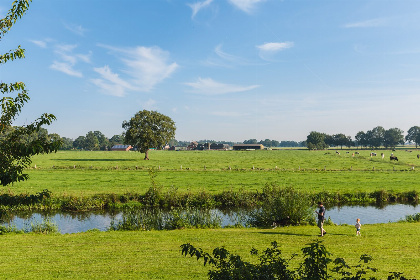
(68, 60)
(148, 66)
(245, 5)
(208, 86)
(367, 23)
(110, 83)
(196, 7)
(76, 29)
(41, 44)
(144, 68)
(66, 68)
(224, 59)
(268, 50)
(275, 47)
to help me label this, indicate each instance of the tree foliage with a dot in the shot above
(149, 129)
(16, 143)
(316, 141)
(413, 135)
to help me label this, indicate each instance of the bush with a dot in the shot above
(283, 207)
(272, 265)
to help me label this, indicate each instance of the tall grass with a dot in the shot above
(156, 219)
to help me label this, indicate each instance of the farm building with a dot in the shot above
(121, 148)
(248, 147)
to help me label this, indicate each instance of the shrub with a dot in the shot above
(272, 265)
(282, 206)
(45, 227)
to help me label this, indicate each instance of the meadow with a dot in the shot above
(156, 254)
(82, 173)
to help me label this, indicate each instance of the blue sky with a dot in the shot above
(221, 69)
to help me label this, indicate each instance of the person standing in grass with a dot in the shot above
(358, 226)
(321, 217)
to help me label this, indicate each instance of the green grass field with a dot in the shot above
(88, 173)
(156, 254)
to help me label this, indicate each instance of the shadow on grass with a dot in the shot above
(95, 159)
(298, 234)
(286, 233)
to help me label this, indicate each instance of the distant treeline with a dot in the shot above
(375, 138)
(97, 141)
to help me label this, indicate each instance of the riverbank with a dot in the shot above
(156, 254)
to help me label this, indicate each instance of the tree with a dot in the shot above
(148, 129)
(341, 140)
(413, 135)
(15, 153)
(103, 142)
(376, 137)
(316, 141)
(251, 141)
(91, 142)
(67, 143)
(393, 137)
(79, 143)
(361, 139)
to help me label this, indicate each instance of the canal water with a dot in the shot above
(81, 222)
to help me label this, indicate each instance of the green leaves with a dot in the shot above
(149, 129)
(16, 145)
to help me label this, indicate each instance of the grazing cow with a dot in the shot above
(382, 155)
(393, 158)
(418, 156)
(373, 154)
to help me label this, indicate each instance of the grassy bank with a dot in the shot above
(156, 254)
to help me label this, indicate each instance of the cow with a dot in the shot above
(418, 156)
(382, 155)
(393, 158)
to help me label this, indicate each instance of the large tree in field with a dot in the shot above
(316, 141)
(393, 137)
(148, 129)
(16, 145)
(413, 135)
(376, 137)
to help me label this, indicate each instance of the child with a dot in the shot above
(358, 226)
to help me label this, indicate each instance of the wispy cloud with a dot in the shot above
(224, 59)
(196, 7)
(67, 60)
(145, 67)
(39, 43)
(267, 50)
(245, 5)
(275, 47)
(367, 23)
(66, 68)
(76, 29)
(110, 83)
(208, 86)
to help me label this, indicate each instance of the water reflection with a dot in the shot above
(81, 222)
